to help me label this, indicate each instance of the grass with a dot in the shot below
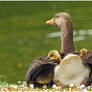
(22, 86)
(23, 33)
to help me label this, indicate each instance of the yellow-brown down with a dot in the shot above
(54, 55)
(83, 52)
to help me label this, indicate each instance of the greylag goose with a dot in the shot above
(54, 55)
(83, 52)
(64, 22)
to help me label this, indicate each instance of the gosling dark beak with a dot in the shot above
(47, 58)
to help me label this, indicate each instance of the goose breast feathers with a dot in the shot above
(71, 70)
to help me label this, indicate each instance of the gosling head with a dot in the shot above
(83, 52)
(54, 55)
(60, 19)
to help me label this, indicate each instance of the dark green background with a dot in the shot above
(23, 33)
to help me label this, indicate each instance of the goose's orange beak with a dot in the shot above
(51, 22)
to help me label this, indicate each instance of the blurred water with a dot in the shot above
(78, 35)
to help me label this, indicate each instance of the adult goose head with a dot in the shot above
(64, 22)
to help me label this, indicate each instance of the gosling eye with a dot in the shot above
(52, 56)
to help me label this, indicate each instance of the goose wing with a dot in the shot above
(33, 68)
(39, 67)
(70, 58)
(87, 58)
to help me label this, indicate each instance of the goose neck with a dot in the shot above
(67, 39)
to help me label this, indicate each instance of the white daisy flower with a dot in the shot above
(32, 86)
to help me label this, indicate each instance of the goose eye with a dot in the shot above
(57, 16)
